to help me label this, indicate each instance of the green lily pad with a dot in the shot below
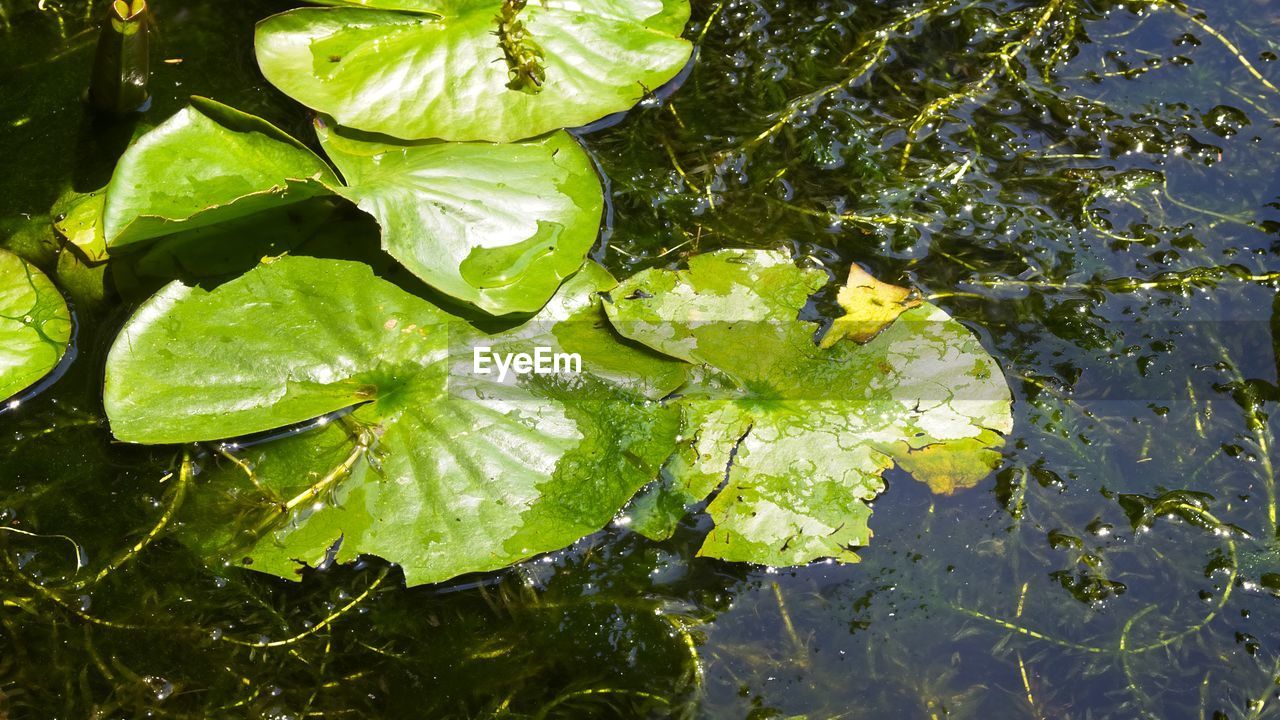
(497, 226)
(431, 7)
(437, 467)
(796, 437)
(207, 164)
(35, 325)
(319, 227)
(489, 70)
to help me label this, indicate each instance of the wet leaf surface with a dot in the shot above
(455, 75)
(795, 437)
(439, 468)
(35, 325)
(496, 226)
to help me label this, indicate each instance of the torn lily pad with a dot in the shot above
(796, 437)
(495, 70)
(207, 164)
(35, 325)
(437, 467)
(498, 226)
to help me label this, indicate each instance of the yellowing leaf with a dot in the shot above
(869, 305)
(957, 465)
(790, 441)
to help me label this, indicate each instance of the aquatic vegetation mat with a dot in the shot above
(773, 208)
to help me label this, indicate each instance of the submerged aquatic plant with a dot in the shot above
(122, 66)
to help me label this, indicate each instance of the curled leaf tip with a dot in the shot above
(125, 11)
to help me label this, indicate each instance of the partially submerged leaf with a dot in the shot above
(79, 220)
(497, 226)
(796, 437)
(496, 70)
(439, 468)
(952, 466)
(207, 164)
(122, 62)
(869, 306)
(35, 325)
(84, 282)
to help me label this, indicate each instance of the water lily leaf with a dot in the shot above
(319, 227)
(437, 467)
(431, 7)
(667, 15)
(796, 436)
(495, 70)
(207, 164)
(497, 226)
(35, 325)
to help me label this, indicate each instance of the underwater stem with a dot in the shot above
(326, 622)
(122, 66)
(175, 503)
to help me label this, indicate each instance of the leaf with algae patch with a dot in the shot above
(436, 467)
(796, 436)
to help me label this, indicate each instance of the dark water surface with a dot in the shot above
(1092, 186)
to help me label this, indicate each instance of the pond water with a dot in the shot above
(1091, 186)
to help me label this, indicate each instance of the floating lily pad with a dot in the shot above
(35, 325)
(321, 226)
(431, 7)
(474, 70)
(437, 467)
(497, 226)
(207, 164)
(794, 436)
